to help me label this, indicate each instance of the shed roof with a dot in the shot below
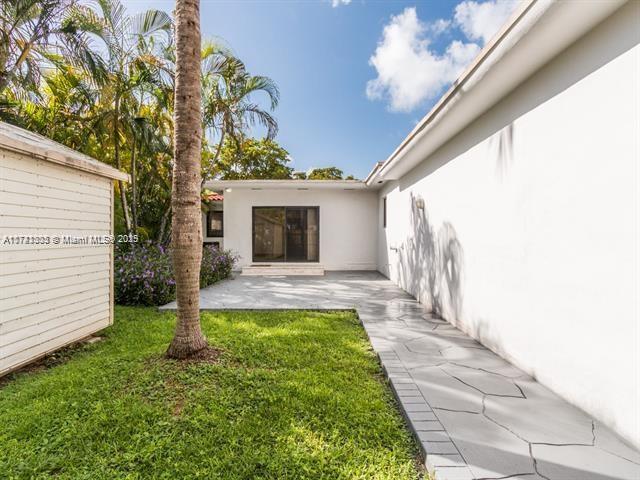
(28, 143)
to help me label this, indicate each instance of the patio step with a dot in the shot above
(287, 270)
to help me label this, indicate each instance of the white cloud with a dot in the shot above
(337, 3)
(409, 72)
(481, 21)
(439, 26)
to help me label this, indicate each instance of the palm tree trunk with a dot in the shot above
(186, 223)
(134, 186)
(212, 166)
(162, 233)
(24, 54)
(116, 153)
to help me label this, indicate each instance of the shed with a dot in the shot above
(56, 250)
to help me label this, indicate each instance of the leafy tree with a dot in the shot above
(253, 159)
(126, 70)
(326, 173)
(59, 110)
(228, 109)
(186, 238)
(29, 30)
(116, 103)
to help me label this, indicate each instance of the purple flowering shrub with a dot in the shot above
(144, 272)
(216, 265)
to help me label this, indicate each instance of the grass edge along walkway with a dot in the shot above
(293, 395)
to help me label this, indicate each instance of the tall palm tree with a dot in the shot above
(29, 32)
(186, 237)
(228, 109)
(34, 36)
(124, 69)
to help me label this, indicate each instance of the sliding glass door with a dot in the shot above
(286, 234)
(268, 234)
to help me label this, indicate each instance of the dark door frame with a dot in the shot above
(285, 260)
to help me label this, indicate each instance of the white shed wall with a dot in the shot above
(529, 239)
(347, 223)
(55, 294)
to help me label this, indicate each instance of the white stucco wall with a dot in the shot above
(529, 239)
(347, 223)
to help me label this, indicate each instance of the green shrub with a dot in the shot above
(144, 272)
(216, 265)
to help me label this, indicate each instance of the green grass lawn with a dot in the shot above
(295, 395)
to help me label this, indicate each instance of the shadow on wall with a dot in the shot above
(559, 75)
(502, 142)
(430, 264)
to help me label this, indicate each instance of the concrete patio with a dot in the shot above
(475, 415)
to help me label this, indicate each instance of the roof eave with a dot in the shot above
(490, 76)
(287, 184)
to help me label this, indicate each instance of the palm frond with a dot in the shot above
(150, 22)
(256, 115)
(264, 84)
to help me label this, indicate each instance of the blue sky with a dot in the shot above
(354, 76)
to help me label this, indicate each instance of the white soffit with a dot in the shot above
(286, 185)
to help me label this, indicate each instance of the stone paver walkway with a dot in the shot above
(475, 415)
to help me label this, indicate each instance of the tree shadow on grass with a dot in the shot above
(304, 399)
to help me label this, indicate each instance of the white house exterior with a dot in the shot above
(512, 209)
(53, 291)
(528, 239)
(341, 217)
